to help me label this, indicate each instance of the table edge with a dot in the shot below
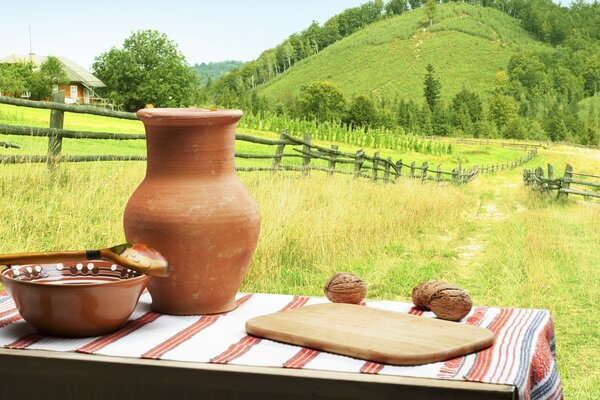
(499, 389)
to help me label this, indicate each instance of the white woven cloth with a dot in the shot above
(523, 354)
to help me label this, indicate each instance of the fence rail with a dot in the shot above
(563, 185)
(358, 164)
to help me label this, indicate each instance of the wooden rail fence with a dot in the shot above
(563, 185)
(492, 168)
(358, 164)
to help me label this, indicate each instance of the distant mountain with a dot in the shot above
(467, 45)
(214, 70)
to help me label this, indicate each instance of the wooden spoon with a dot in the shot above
(137, 257)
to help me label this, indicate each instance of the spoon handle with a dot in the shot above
(40, 258)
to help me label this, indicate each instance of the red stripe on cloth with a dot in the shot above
(187, 333)
(542, 360)
(130, 326)
(477, 316)
(415, 311)
(10, 320)
(9, 311)
(483, 358)
(509, 360)
(557, 393)
(301, 358)
(452, 366)
(182, 336)
(371, 368)
(25, 341)
(247, 342)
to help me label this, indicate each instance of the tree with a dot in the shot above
(396, 7)
(591, 75)
(503, 109)
(148, 69)
(321, 100)
(51, 73)
(415, 4)
(430, 10)
(432, 88)
(15, 78)
(467, 109)
(361, 112)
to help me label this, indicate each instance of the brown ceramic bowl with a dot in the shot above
(88, 298)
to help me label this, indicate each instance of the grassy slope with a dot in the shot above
(466, 45)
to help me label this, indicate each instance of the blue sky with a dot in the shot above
(204, 30)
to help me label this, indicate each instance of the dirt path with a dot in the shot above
(490, 210)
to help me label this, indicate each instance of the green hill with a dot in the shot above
(467, 45)
(214, 70)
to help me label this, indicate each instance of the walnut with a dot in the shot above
(450, 302)
(422, 292)
(344, 287)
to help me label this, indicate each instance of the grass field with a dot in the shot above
(466, 154)
(505, 244)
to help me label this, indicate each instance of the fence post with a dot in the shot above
(57, 119)
(279, 151)
(456, 175)
(399, 168)
(375, 166)
(550, 172)
(566, 182)
(306, 157)
(412, 169)
(539, 173)
(359, 162)
(424, 168)
(332, 157)
(386, 173)
(438, 175)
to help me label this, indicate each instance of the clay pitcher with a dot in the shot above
(194, 210)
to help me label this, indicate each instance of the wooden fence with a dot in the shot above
(576, 183)
(313, 157)
(492, 168)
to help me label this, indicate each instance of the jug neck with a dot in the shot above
(190, 141)
(192, 150)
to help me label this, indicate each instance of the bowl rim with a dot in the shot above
(35, 283)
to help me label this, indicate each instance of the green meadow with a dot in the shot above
(506, 245)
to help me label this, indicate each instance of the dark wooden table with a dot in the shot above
(33, 374)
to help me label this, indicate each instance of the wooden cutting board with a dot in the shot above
(371, 334)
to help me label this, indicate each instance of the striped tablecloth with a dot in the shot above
(522, 356)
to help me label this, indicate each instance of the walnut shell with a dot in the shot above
(423, 291)
(451, 303)
(344, 287)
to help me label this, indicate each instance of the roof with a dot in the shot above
(74, 71)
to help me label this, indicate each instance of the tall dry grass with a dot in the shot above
(311, 227)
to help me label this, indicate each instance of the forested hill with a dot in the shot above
(495, 68)
(214, 70)
(467, 45)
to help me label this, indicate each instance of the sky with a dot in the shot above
(204, 30)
